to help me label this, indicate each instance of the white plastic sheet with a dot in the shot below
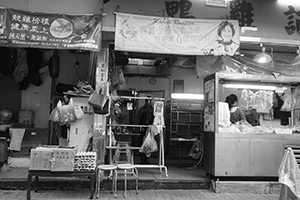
(289, 176)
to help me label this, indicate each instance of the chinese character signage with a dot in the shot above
(175, 35)
(55, 31)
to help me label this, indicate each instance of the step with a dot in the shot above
(79, 183)
(252, 187)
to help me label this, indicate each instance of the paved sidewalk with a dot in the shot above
(143, 195)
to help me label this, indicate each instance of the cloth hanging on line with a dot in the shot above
(17, 135)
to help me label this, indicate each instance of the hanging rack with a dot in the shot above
(129, 97)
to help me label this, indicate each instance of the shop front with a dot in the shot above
(148, 56)
(38, 49)
(254, 34)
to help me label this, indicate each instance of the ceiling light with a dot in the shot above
(255, 87)
(296, 60)
(289, 2)
(262, 57)
(187, 96)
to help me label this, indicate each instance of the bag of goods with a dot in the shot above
(149, 145)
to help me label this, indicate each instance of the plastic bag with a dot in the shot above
(289, 172)
(78, 112)
(149, 145)
(66, 113)
(54, 115)
(287, 100)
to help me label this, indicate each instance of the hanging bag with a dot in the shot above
(99, 100)
(66, 113)
(96, 99)
(149, 145)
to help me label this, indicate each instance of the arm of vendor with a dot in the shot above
(236, 114)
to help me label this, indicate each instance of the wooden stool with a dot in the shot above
(134, 171)
(113, 171)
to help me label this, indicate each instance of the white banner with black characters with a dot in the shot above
(167, 35)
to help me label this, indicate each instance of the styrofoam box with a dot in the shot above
(63, 159)
(40, 159)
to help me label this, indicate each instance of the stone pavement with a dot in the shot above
(143, 195)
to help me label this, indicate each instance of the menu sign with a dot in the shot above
(55, 31)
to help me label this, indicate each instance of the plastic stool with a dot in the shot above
(113, 171)
(134, 171)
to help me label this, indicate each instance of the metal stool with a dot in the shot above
(134, 171)
(113, 171)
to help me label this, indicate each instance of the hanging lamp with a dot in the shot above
(296, 60)
(262, 57)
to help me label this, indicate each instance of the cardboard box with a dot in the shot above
(40, 159)
(63, 159)
(26, 116)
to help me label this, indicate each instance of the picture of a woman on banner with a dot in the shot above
(225, 45)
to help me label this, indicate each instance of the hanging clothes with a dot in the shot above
(17, 135)
(34, 60)
(21, 71)
(8, 60)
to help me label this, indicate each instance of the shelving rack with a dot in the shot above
(184, 123)
(161, 158)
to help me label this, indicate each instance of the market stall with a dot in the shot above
(253, 148)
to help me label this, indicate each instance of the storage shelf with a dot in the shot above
(184, 120)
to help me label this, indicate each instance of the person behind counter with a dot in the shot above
(236, 114)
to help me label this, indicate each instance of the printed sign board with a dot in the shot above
(55, 31)
(168, 35)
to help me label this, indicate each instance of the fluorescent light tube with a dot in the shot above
(187, 96)
(255, 87)
(289, 2)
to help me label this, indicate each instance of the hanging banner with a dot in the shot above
(176, 35)
(55, 31)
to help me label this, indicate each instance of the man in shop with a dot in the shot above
(145, 116)
(236, 114)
